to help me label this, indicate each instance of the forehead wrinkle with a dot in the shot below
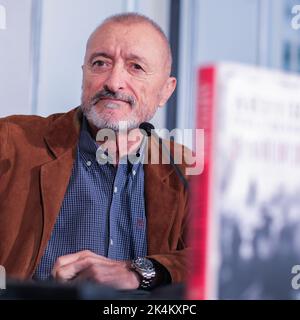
(164, 45)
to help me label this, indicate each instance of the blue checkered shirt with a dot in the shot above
(103, 209)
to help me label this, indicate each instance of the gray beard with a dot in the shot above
(95, 119)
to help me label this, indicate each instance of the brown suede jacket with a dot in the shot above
(36, 158)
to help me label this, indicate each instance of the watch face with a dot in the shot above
(144, 264)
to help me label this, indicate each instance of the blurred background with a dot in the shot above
(42, 44)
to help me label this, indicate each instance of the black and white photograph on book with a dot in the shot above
(149, 155)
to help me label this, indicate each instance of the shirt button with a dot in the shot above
(111, 242)
(134, 172)
(89, 163)
(115, 189)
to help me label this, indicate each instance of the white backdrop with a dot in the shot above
(42, 49)
(15, 58)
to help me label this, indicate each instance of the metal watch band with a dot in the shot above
(146, 276)
(145, 283)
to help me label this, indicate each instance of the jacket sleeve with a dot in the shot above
(3, 139)
(177, 261)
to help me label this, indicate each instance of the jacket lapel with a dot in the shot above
(61, 140)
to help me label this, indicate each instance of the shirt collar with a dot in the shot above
(91, 151)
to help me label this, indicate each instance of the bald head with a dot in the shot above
(129, 19)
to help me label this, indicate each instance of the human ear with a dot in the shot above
(167, 91)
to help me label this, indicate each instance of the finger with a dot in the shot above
(93, 273)
(70, 258)
(117, 276)
(70, 271)
(108, 261)
(99, 273)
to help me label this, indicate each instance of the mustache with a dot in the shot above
(106, 93)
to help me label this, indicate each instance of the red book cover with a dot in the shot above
(246, 203)
(200, 186)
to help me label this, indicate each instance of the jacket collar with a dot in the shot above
(64, 131)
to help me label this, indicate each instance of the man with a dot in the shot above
(67, 216)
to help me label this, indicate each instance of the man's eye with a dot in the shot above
(99, 66)
(137, 67)
(98, 63)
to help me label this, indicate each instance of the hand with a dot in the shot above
(86, 265)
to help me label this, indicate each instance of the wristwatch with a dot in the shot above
(145, 268)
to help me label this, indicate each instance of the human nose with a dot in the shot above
(116, 78)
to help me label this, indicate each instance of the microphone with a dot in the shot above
(148, 129)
